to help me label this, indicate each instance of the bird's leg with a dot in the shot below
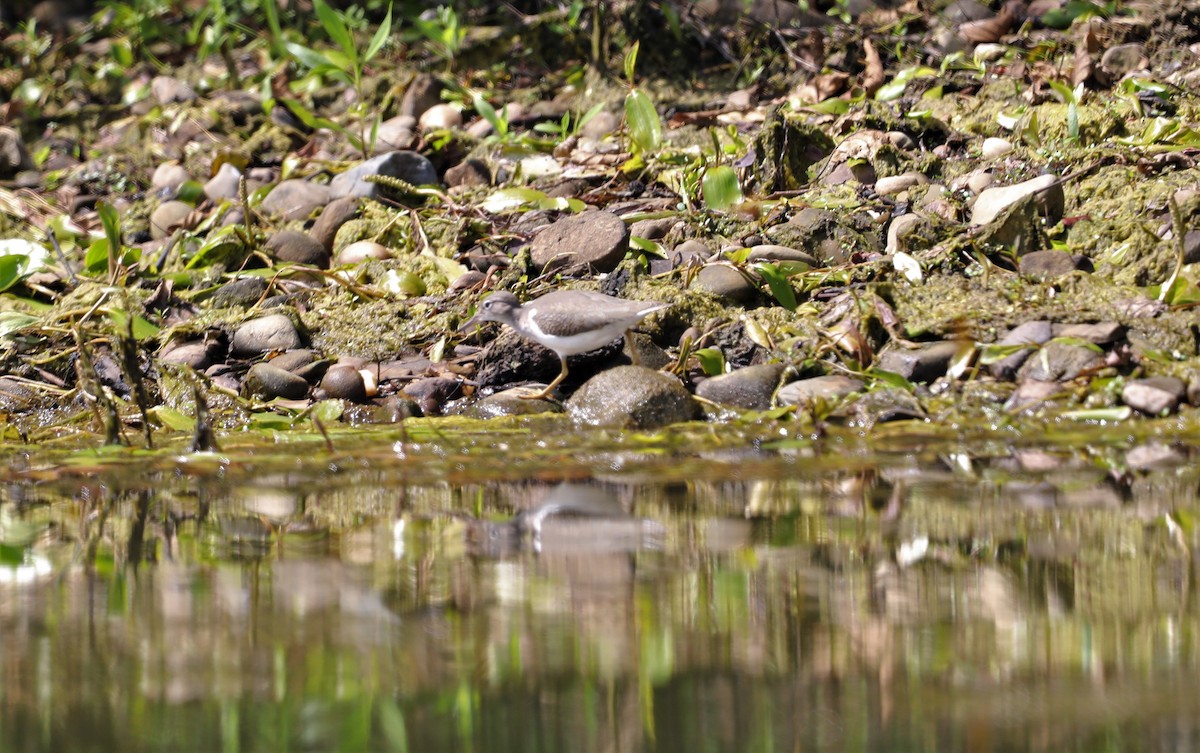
(631, 346)
(550, 387)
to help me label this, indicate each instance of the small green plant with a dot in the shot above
(645, 126)
(344, 64)
(444, 32)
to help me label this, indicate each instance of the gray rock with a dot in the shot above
(923, 364)
(360, 251)
(225, 184)
(772, 252)
(1034, 333)
(632, 397)
(1050, 265)
(826, 388)
(344, 383)
(691, 251)
(472, 172)
(396, 133)
(1032, 393)
(424, 92)
(593, 241)
(240, 293)
(168, 89)
(409, 167)
(894, 184)
(169, 175)
(295, 200)
(168, 216)
(602, 124)
(1120, 60)
(335, 214)
(725, 282)
(510, 403)
(297, 248)
(1099, 333)
(1155, 396)
(17, 396)
(1050, 199)
(269, 382)
(1060, 361)
(750, 388)
(264, 334)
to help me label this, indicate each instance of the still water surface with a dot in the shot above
(406, 597)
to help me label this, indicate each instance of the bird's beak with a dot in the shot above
(470, 324)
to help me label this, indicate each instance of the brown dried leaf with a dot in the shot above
(989, 29)
(1085, 52)
(821, 87)
(873, 76)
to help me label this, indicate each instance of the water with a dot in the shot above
(518, 595)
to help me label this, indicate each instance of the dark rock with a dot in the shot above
(424, 92)
(691, 251)
(923, 364)
(593, 241)
(632, 397)
(345, 383)
(335, 214)
(648, 353)
(295, 199)
(268, 382)
(239, 293)
(298, 248)
(409, 167)
(1060, 361)
(294, 360)
(725, 282)
(472, 172)
(267, 333)
(197, 354)
(825, 388)
(1034, 333)
(433, 393)
(509, 403)
(653, 230)
(17, 396)
(1155, 396)
(1050, 265)
(509, 359)
(883, 406)
(750, 388)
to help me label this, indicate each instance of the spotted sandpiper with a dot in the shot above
(568, 322)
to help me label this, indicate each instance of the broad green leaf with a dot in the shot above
(507, 199)
(720, 187)
(95, 261)
(645, 127)
(142, 328)
(173, 419)
(895, 88)
(14, 321)
(112, 225)
(780, 287)
(336, 28)
(1107, 415)
(10, 270)
(381, 36)
(648, 246)
(831, 106)
(308, 57)
(488, 113)
(327, 411)
(712, 361)
(269, 422)
(891, 379)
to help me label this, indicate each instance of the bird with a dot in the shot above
(568, 322)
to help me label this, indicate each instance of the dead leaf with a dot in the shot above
(1085, 52)
(873, 76)
(821, 87)
(989, 29)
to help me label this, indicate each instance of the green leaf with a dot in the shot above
(327, 411)
(381, 36)
(336, 28)
(14, 321)
(891, 379)
(631, 61)
(645, 127)
(173, 419)
(712, 361)
(142, 328)
(488, 113)
(508, 199)
(312, 121)
(1106, 415)
(780, 287)
(269, 422)
(895, 88)
(720, 187)
(10, 270)
(308, 57)
(95, 261)
(648, 246)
